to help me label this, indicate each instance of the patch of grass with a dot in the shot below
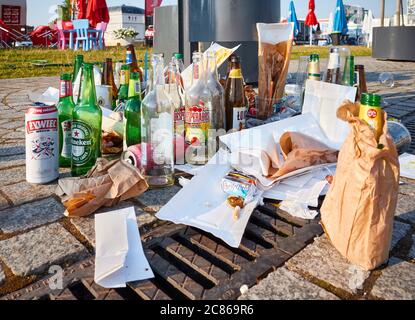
(19, 63)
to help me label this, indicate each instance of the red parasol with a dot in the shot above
(97, 11)
(81, 5)
(311, 19)
(150, 5)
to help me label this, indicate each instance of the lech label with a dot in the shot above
(82, 143)
(66, 139)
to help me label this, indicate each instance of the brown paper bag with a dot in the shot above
(300, 151)
(358, 212)
(106, 184)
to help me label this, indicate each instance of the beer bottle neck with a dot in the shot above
(125, 77)
(88, 94)
(65, 89)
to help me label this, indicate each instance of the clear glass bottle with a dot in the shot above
(198, 114)
(157, 127)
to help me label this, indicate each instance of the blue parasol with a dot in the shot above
(340, 21)
(292, 17)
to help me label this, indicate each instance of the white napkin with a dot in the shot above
(119, 252)
(407, 162)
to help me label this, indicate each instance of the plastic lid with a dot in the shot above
(66, 77)
(79, 57)
(371, 99)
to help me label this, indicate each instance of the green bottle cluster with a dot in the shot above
(86, 126)
(124, 84)
(132, 113)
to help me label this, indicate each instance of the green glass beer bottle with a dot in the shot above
(349, 73)
(86, 126)
(124, 83)
(65, 109)
(79, 60)
(132, 113)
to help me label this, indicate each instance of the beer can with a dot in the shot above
(133, 156)
(42, 143)
(104, 96)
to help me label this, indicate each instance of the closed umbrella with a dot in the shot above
(340, 21)
(311, 19)
(97, 11)
(368, 27)
(292, 17)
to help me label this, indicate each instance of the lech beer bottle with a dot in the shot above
(333, 69)
(314, 68)
(86, 126)
(65, 109)
(235, 104)
(124, 83)
(108, 80)
(132, 113)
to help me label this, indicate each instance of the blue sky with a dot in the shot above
(38, 9)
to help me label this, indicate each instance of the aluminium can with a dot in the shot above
(42, 143)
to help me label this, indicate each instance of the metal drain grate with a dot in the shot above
(191, 264)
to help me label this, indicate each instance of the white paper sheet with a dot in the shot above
(407, 162)
(119, 252)
(322, 100)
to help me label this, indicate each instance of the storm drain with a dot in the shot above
(190, 264)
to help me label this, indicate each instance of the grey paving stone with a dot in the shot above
(2, 276)
(10, 150)
(12, 161)
(13, 175)
(400, 230)
(322, 261)
(11, 125)
(35, 251)
(30, 215)
(286, 285)
(408, 188)
(86, 226)
(406, 207)
(397, 281)
(154, 200)
(411, 254)
(23, 192)
(13, 135)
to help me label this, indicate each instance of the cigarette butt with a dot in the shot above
(236, 213)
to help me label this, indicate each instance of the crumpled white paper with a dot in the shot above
(119, 252)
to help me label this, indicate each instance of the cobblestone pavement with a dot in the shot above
(34, 234)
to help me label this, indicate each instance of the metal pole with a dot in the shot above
(398, 12)
(382, 13)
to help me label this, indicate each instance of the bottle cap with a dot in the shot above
(371, 99)
(134, 76)
(178, 56)
(66, 77)
(314, 57)
(79, 57)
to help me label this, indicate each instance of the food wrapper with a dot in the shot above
(239, 185)
(105, 185)
(275, 44)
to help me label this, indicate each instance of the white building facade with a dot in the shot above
(125, 17)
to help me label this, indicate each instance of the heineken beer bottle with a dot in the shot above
(65, 109)
(132, 113)
(86, 126)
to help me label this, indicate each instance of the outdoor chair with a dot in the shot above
(101, 27)
(82, 35)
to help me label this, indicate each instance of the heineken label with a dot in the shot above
(82, 143)
(66, 139)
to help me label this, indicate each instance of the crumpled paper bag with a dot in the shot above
(359, 209)
(105, 185)
(300, 151)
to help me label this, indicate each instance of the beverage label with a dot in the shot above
(124, 77)
(137, 87)
(235, 74)
(65, 89)
(129, 58)
(179, 115)
(66, 127)
(334, 61)
(239, 118)
(82, 143)
(197, 123)
(373, 117)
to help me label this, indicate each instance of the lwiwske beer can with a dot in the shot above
(133, 156)
(371, 112)
(42, 144)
